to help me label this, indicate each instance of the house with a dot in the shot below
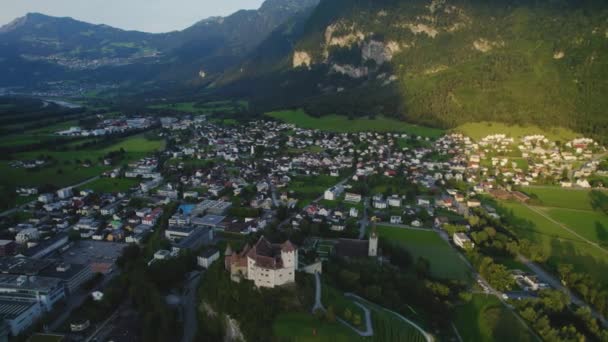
(207, 257)
(333, 193)
(151, 218)
(396, 220)
(462, 240)
(266, 264)
(354, 212)
(64, 193)
(352, 198)
(394, 201)
(380, 204)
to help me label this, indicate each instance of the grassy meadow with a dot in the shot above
(338, 123)
(445, 261)
(485, 319)
(304, 327)
(111, 185)
(65, 170)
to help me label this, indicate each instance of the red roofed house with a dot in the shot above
(266, 264)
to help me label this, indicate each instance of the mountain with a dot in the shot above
(38, 48)
(443, 63)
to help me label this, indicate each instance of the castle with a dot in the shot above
(266, 264)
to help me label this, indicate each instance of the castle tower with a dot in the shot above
(373, 242)
(289, 255)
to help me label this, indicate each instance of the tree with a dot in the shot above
(330, 315)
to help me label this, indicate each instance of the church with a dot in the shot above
(266, 264)
(354, 248)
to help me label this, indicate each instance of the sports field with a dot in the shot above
(338, 123)
(445, 261)
(485, 319)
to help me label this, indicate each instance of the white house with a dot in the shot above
(352, 197)
(462, 240)
(333, 193)
(396, 220)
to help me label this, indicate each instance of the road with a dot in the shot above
(76, 300)
(364, 222)
(189, 307)
(556, 284)
(318, 305)
(23, 206)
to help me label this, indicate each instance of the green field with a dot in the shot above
(65, 171)
(561, 245)
(338, 123)
(485, 318)
(445, 261)
(562, 198)
(479, 130)
(303, 327)
(111, 185)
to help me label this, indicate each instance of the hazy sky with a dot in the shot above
(142, 15)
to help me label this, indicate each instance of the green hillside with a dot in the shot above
(445, 63)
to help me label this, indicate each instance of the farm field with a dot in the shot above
(559, 244)
(485, 318)
(479, 130)
(65, 171)
(445, 261)
(111, 185)
(304, 327)
(562, 198)
(338, 123)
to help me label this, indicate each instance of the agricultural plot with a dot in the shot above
(338, 123)
(444, 260)
(559, 244)
(205, 108)
(485, 318)
(304, 327)
(111, 185)
(562, 198)
(66, 167)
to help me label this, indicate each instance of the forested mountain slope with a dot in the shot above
(446, 62)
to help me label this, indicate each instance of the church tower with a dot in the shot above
(373, 242)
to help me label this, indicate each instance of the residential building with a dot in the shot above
(462, 240)
(207, 257)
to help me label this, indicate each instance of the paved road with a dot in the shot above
(318, 305)
(189, 306)
(23, 206)
(556, 284)
(364, 222)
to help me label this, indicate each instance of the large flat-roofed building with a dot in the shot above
(211, 207)
(20, 288)
(19, 315)
(209, 221)
(177, 233)
(72, 275)
(198, 238)
(46, 247)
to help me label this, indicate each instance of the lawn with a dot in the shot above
(339, 123)
(111, 185)
(334, 298)
(304, 327)
(560, 245)
(485, 318)
(205, 108)
(592, 225)
(479, 130)
(308, 188)
(444, 260)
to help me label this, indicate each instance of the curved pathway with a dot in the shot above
(427, 336)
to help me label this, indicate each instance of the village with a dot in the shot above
(215, 181)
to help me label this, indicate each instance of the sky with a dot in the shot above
(142, 15)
